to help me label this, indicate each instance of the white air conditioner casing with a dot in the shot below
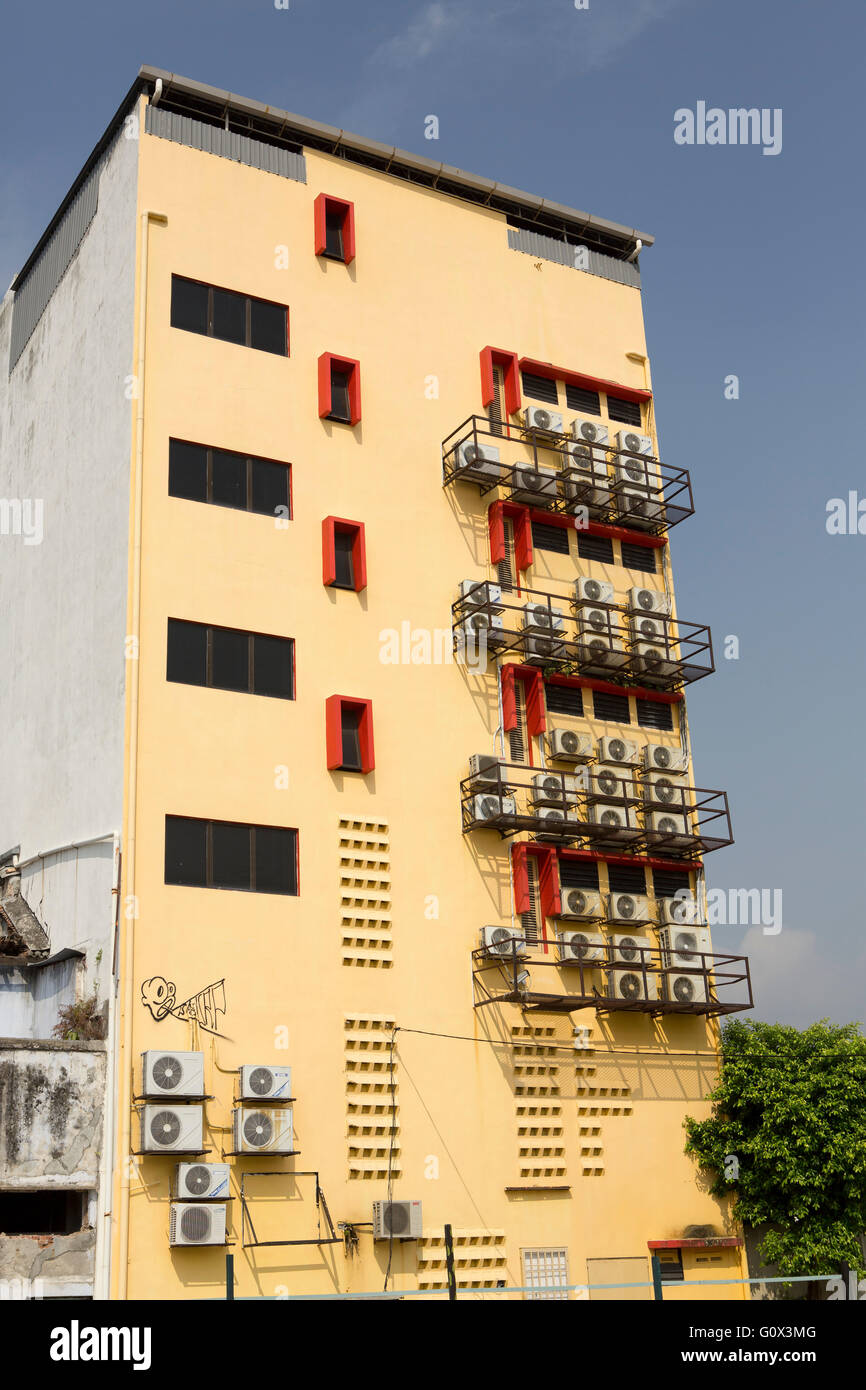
(580, 903)
(538, 617)
(485, 769)
(542, 420)
(397, 1221)
(658, 756)
(674, 828)
(490, 806)
(584, 487)
(685, 947)
(649, 601)
(630, 949)
(262, 1129)
(197, 1223)
(483, 627)
(671, 791)
(479, 593)
(611, 782)
(568, 745)
(503, 941)
(613, 821)
(265, 1083)
(686, 989)
(590, 432)
(597, 622)
(539, 650)
(175, 1075)
(650, 629)
(638, 509)
(528, 484)
(556, 823)
(166, 1129)
(680, 911)
(638, 473)
(554, 789)
(478, 462)
(652, 659)
(581, 948)
(202, 1182)
(603, 653)
(630, 442)
(590, 591)
(628, 907)
(619, 751)
(632, 986)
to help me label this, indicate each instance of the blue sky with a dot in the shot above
(757, 271)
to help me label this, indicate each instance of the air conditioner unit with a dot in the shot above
(610, 783)
(483, 627)
(581, 948)
(613, 822)
(197, 1223)
(479, 594)
(554, 789)
(671, 829)
(173, 1074)
(540, 650)
(638, 509)
(628, 907)
(570, 746)
(685, 947)
(590, 432)
(631, 443)
(489, 806)
(630, 950)
(593, 622)
(397, 1221)
(585, 481)
(589, 591)
(207, 1182)
(681, 911)
(620, 751)
(650, 629)
(528, 484)
(649, 601)
(477, 462)
(602, 652)
(580, 903)
(485, 770)
(654, 661)
(552, 824)
(638, 473)
(541, 617)
(540, 420)
(686, 989)
(658, 755)
(631, 986)
(673, 792)
(262, 1130)
(503, 941)
(171, 1129)
(265, 1083)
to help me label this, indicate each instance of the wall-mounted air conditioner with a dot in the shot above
(685, 947)
(631, 443)
(397, 1221)
(618, 751)
(265, 1083)
(540, 420)
(631, 987)
(483, 627)
(649, 601)
(489, 806)
(630, 950)
(197, 1223)
(503, 941)
(667, 790)
(686, 989)
(638, 473)
(262, 1130)
(542, 617)
(554, 789)
(613, 822)
(203, 1182)
(628, 907)
(611, 782)
(173, 1074)
(539, 650)
(591, 432)
(670, 829)
(650, 629)
(570, 746)
(599, 622)
(554, 824)
(479, 593)
(171, 1129)
(477, 462)
(658, 755)
(581, 948)
(652, 660)
(485, 770)
(590, 591)
(601, 651)
(530, 484)
(681, 911)
(580, 903)
(638, 509)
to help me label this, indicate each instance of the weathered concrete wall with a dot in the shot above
(71, 894)
(51, 1101)
(30, 1000)
(48, 1265)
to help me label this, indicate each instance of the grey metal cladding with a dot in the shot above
(227, 144)
(548, 248)
(31, 298)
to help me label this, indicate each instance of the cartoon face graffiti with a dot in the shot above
(159, 996)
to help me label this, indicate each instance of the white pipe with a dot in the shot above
(157, 92)
(61, 849)
(102, 1264)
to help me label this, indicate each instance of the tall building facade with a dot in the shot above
(353, 616)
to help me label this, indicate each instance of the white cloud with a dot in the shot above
(797, 980)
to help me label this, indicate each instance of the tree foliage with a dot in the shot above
(790, 1111)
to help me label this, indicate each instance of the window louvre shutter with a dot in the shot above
(595, 548)
(553, 538)
(564, 699)
(655, 714)
(578, 873)
(626, 878)
(639, 557)
(626, 412)
(540, 388)
(612, 707)
(587, 402)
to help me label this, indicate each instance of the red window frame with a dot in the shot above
(331, 526)
(324, 204)
(334, 706)
(497, 357)
(327, 360)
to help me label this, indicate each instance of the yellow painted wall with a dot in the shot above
(433, 282)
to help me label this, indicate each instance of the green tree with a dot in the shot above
(787, 1138)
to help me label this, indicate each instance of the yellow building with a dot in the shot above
(445, 882)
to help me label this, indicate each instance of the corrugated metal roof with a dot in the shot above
(548, 248)
(243, 149)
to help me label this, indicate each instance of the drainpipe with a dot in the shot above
(125, 1076)
(102, 1271)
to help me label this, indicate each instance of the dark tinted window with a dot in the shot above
(222, 854)
(564, 699)
(585, 402)
(334, 233)
(272, 666)
(187, 470)
(45, 1213)
(275, 860)
(231, 856)
(550, 537)
(539, 388)
(229, 486)
(228, 479)
(612, 707)
(187, 653)
(230, 659)
(351, 723)
(655, 714)
(625, 878)
(185, 851)
(668, 882)
(340, 407)
(576, 873)
(626, 412)
(343, 560)
(595, 548)
(268, 326)
(189, 305)
(270, 487)
(229, 316)
(638, 557)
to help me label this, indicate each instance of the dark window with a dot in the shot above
(232, 317)
(626, 878)
(668, 882)
(228, 658)
(595, 548)
(334, 218)
(586, 402)
(550, 537)
(350, 721)
(564, 699)
(613, 707)
(655, 714)
(341, 407)
(227, 479)
(638, 557)
(626, 412)
(344, 565)
(42, 1213)
(576, 873)
(226, 854)
(670, 1265)
(540, 388)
